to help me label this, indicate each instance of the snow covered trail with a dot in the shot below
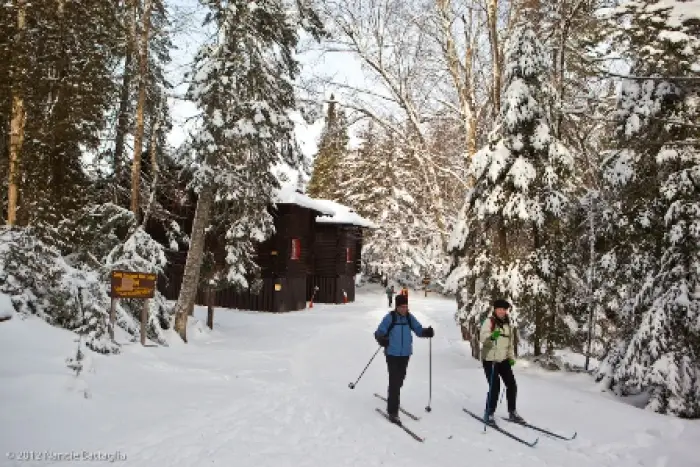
(272, 390)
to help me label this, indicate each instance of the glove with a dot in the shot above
(511, 362)
(382, 340)
(428, 332)
(495, 334)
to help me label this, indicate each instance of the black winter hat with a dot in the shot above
(500, 303)
(401, 300)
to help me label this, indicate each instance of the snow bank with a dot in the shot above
(341, 214)
(265, 389)
(287, 194)
(6, 308)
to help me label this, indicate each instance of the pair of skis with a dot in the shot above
(399, 423)
(526, 425)
(494, 426)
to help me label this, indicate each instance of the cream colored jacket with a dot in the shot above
(502, 348)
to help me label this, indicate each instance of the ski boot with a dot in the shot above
(516, 418)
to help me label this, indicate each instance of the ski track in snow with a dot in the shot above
(272, 390)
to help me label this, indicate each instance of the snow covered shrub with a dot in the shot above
(40, 282)
(106, 238)
(143, 254)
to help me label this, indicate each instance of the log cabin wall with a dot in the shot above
(335, 263)
(285, 260)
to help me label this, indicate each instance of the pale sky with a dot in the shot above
(190, 35)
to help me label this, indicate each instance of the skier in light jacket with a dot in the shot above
(497, 337)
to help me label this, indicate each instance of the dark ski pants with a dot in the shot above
(397, 373)
(390, 297)
(502, 370)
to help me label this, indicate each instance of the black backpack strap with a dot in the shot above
(393, 322)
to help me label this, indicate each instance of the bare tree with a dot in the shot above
(392, 40)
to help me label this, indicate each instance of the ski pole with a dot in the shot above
(352, 385)
(430, 374)
(488, 395)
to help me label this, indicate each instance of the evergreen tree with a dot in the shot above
(655, 171)
(327, 174)
(506, 243)
(243, 85)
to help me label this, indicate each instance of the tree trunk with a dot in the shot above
(140, 109)
(552, 324)
(155, 126)
(537, 310)
(475, 344)
(190, 279)
(472, 137)
(461, 73)
(492, 14)
(210, 308)
(123, 116)
(17, 123)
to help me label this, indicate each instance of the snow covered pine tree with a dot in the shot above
(502, 244)
(243, 85)
(658, 350)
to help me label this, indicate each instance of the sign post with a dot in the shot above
(128, 284)
(426, 282)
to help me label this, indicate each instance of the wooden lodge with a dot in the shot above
(316, 243)
(285, 259)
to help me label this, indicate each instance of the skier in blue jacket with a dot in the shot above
(394, 334)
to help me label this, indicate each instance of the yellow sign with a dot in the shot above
(278, 287)
(126, 284)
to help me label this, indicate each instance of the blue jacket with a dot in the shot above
(400, 339)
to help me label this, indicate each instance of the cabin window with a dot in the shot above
(296, 249)
(348, 255)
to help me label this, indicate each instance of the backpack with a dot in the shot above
(393, 322)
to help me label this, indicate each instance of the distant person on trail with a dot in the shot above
(497, 337)
(394, 334)
(390, 294)
(404, 291)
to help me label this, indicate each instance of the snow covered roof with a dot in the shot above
(287, 194)
(342, 214)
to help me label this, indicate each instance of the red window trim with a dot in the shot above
(296, 249)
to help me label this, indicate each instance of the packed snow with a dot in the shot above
(6, 309)
(272, 390)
